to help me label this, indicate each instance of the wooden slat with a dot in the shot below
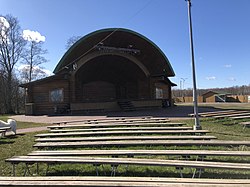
(113, 125)
(241, 117)
(122, 119)
(128, 121)
(224, 113)
(120, 128)
(122, 133)
(103, 119)
(110, 138)
(214, 112)
(139, 152)
(245, 123)
(128, 161)
(143, 143)
(119, 181)
(230, 115)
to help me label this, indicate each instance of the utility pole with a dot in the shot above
(183, 82)
(196, 115)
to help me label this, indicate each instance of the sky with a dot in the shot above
(221, 32)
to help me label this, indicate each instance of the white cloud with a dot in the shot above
(232, 79)
(25, 67)
(211, 78)
(47, 72)
(33, 36)
(227, 65)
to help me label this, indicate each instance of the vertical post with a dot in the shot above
(196, 115)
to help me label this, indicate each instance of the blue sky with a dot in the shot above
(221, 31)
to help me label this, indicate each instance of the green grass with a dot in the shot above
(222, 129)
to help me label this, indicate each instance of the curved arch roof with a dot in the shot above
(150, 54)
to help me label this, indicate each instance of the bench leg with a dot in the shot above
(103, 169)
(27, 170)
(180, 170)
(114, 169)
(37, 169)
(200, 170)
(47, 169)
(13, 169)
(129, 156)
(96, 169)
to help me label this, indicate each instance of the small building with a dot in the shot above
(106, 70)
(215, 96)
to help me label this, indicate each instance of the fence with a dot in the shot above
(201, 99)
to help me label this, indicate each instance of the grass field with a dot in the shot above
(223, 129)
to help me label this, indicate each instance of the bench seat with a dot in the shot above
(213, 112)
(141, 143)
(139, 153)
(118, 181)
(120, 128)
(113, 119)
(112, 138)
(122, 132)
(81, 125)
(114, 162)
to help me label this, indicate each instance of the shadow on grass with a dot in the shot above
(12, 137)
(6, 142)
(147, 172)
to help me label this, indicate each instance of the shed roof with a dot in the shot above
(217, 93)
(151, 55)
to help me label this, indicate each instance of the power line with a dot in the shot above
(109, 35)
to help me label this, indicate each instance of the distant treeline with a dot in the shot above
(234, 90)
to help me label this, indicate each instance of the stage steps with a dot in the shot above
(126, 105)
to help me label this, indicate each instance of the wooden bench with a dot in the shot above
(230, 115)
(119, 128)
(214, 112)
(224, 113)
(140, 152)
(110, 138)
(141, 143)
(245, 124)
(122, 121)
(106, 120)
(114, 162)
(113, 125)
(118, 181)
(101, 119)
(122, 133)
(241, 117)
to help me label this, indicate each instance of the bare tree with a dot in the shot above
(33, 58)
(11, 48)
(71, 41)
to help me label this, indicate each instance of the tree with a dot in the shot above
(33, 56)
(71, 41)
(11, 49)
